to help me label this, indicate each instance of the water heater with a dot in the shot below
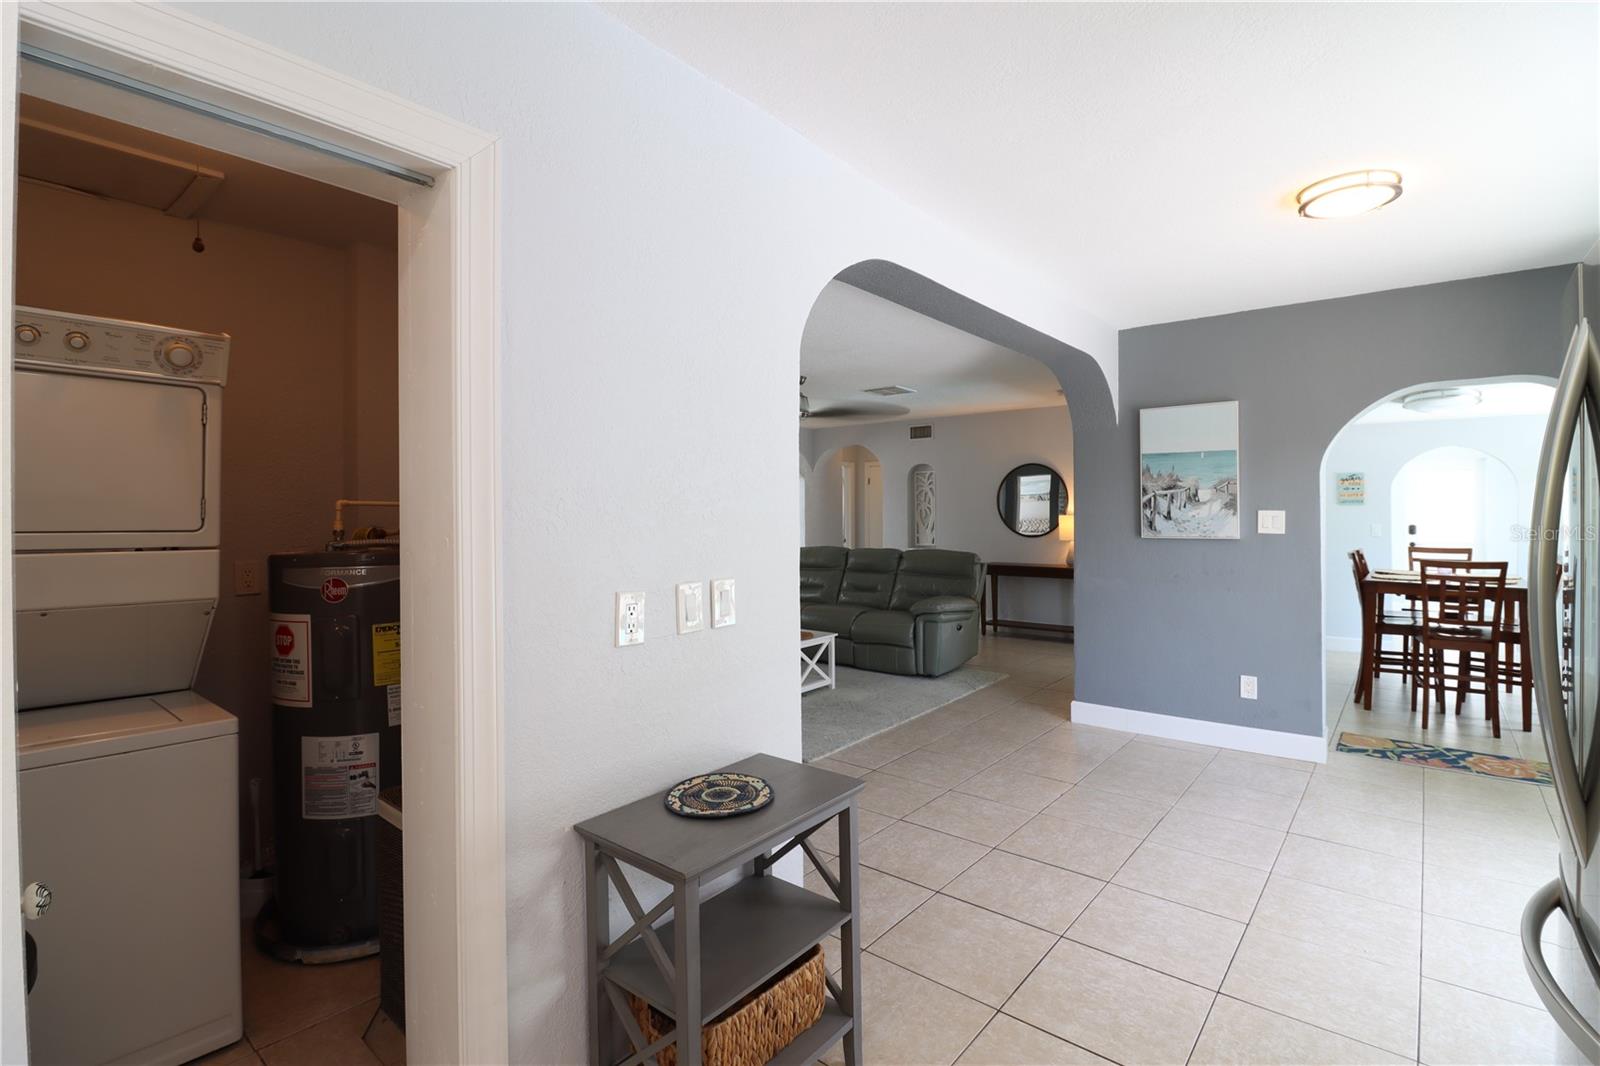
(335, 676)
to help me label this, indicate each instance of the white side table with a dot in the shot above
(816, 661)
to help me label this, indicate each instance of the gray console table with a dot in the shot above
(715, 951)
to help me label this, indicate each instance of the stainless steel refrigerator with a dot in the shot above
(1564, 615)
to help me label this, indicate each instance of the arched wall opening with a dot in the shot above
(844, 499)
(1456, 477)
(941, 492)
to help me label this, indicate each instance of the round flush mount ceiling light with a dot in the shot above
(1345, 195)
(1430, 400)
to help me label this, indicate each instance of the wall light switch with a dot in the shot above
(1247, 686)
(721, 602)
(691, 606)
(1270, 522)
(1375, 529)
(630, 618)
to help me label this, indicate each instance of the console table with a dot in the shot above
(989, 610)
(715, 951)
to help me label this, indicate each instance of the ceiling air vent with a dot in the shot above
(921, 432)
(890, 390)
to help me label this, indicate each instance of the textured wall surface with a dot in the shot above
(1174, 623)
(662, 244)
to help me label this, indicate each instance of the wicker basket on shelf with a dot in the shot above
(756, 1028)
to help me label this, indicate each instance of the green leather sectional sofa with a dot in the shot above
(897, 612)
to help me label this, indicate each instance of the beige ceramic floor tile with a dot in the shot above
(1199, 881)
(976, 952)
(971, 818)
(1112, 1007)
(1465, 1028)
(1264, 773)
(334, 1042)
(1085, 848)
(1484, 960)
(1220, 838)
(909, 1020)
(884, 900)
(1271, 810)
(1064, 766)
(1532, 863)
(1136, 777)
(895, 796)
(1108, 810)
(238, 1053)
(838, 767)
(1366, 1000)
(282, 998)
(1359, 829)
(1008, 1042)
(1241, 1034)
(1341, 921)
(1479, 899)
(875, 751)
(1030, 891)
(1084, 740)
(920, 855)
(1177, 940)
(1014, 788)
(976, 747)
(930, 768)
(386, 1040)
(1366, 796)
(1366, 873)
(867, 823)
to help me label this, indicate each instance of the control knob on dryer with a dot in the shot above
(180, 355)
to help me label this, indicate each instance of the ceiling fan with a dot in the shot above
(862, 409)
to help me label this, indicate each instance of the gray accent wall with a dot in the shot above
(1168, 626)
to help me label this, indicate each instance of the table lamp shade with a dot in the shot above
(1066, 526)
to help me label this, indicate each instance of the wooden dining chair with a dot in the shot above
(1463, 611)
(1416, 553)
(1402, 624)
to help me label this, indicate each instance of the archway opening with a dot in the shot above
(1411, 472)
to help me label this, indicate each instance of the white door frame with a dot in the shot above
(456, 991)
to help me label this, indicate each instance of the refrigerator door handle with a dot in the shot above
(1578, 383)
(1545, 902)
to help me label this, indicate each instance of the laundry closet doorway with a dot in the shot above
(185, 79)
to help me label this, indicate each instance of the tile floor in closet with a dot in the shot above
(298, 1015)
(1036, 891)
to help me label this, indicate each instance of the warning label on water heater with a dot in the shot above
(386, 654)
(291, 659)
(338, 777)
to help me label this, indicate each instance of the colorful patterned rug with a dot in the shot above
(1469, 762)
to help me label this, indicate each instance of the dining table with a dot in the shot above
(1382, 583)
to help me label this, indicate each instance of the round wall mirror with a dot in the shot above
(1031, 500)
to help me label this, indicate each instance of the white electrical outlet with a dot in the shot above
(246, 578)
(630, 618)
(691, 607)
(1247, 686)
(721, 602)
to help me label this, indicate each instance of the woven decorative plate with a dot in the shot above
(718, 795)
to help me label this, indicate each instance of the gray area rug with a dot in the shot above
(866, 703)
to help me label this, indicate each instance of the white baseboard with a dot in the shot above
(1216, 734)
(1350, 644)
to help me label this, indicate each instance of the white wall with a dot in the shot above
(1379, 450)
(662, 245)
(969, 456)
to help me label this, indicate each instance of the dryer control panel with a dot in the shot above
(52, 338)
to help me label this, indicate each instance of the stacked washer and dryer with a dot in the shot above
(128, 778)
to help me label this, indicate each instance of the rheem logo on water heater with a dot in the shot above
(335, 589)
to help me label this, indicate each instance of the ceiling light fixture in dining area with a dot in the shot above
(1347, 195)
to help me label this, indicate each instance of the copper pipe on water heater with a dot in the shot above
(340, 505)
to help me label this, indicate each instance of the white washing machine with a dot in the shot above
(129, 779)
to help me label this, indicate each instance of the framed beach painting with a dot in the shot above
(1189, 471)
